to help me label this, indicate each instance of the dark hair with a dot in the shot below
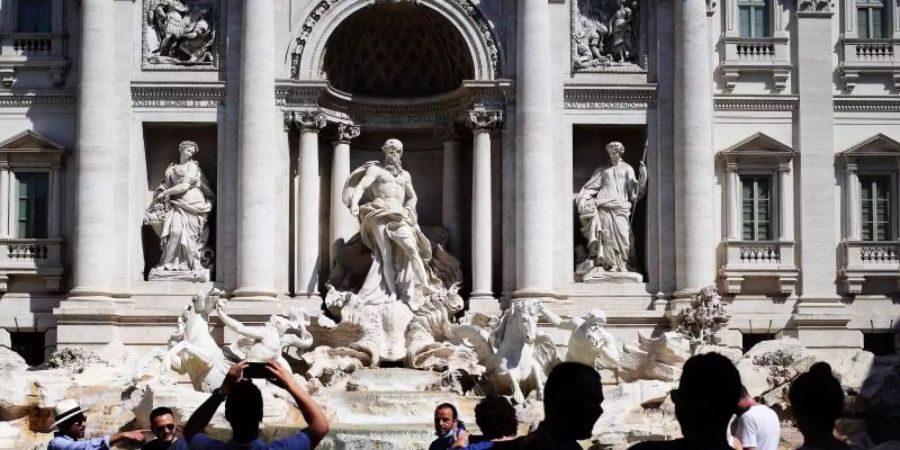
(244, 406)
(450, 407)
(572, 398)
(709, 389)
(496, 417)
(160, 411)
(816, 396)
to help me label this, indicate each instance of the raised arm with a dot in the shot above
(317, 423)
(566, 324)
(364, 183)
(201, 417)
(236, 326)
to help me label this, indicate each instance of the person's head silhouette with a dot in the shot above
(244, 410)
(572, 397)
(709, 389)
(496, 417)
(817, 400)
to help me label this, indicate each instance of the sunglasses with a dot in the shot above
(169, 427)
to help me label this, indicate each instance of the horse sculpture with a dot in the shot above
(192, 350)
(517, 355)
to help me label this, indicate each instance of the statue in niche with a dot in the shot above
(604, 34)
(179, 32)
(605, 208)
(389, 279)
(178, 215)
(381, 195)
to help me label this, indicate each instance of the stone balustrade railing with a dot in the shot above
(759, 55)
(754, 50)
(868, 260)
(868, 56)
(32, 257)
(747, 260)
(760, 254)
(34, 50)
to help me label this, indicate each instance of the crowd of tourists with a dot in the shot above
(709, 397)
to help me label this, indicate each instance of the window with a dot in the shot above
(756, 208)
(754, 18)
(870, 17)
(32, 195)
(875, 208)
(35, 16)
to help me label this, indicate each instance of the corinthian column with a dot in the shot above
(307, 215)
(95, 155)
(482, 123)
(534, 151)
(343, 224)
(257, 203)
(695, 234)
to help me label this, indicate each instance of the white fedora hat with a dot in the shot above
(65, 410)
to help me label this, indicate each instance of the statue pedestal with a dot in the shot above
(599, 275)
(197, 276)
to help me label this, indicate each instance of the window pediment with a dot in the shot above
(875, 146)
(759, 146)
(31, 146)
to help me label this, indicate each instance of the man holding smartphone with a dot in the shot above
(244, 411)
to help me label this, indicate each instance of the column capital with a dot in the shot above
(484, 119)
(310, 120)
(344, 133)
(731, 166)
(446, 132)
(851, 167)
(784, 167)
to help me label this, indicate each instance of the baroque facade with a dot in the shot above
(761, 139)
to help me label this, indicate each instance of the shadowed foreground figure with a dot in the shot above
(709, 389)
(496, 418)
(756, 426)
(244, 411)
(817, 400)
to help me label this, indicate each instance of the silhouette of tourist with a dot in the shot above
(572, 398)
(705, 400)
(447, 427)
(817, 401)
(162, 424)
(496, 418)
(70, 424)
(244, 411)
(756, 427)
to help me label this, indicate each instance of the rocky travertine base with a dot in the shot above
(392, 408)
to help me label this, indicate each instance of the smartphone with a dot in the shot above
(256, 370)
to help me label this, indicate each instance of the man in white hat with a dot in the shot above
(70, 424)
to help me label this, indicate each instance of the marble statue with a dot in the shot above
(381, 195)
(178, 215)
(192, 350)
(605, 207)
(260, 344)
(589, 343)
(179, 32)
(604, 34)
(700, 321)
(517, 355)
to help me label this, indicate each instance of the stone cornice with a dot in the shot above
(850, 104)
(165, 96)
(29, 99)
(609, 97)
(762, 103)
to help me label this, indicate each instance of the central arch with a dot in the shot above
(309, 48)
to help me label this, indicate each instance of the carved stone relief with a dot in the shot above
(180, 34)
(606, 36)
(815, 5)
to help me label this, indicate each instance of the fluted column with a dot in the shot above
(95, 156)
(307, 215)
(343, 224)
(733, 191)
(4, 199)
(450, 200)
(482, 123)
(786, 200)
(695, 234)
(534, 151)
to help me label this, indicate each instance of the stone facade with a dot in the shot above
(501, 129)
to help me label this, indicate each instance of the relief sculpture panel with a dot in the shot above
(180, 34)
(606, 36)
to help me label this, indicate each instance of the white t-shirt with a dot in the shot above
(758, 427)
